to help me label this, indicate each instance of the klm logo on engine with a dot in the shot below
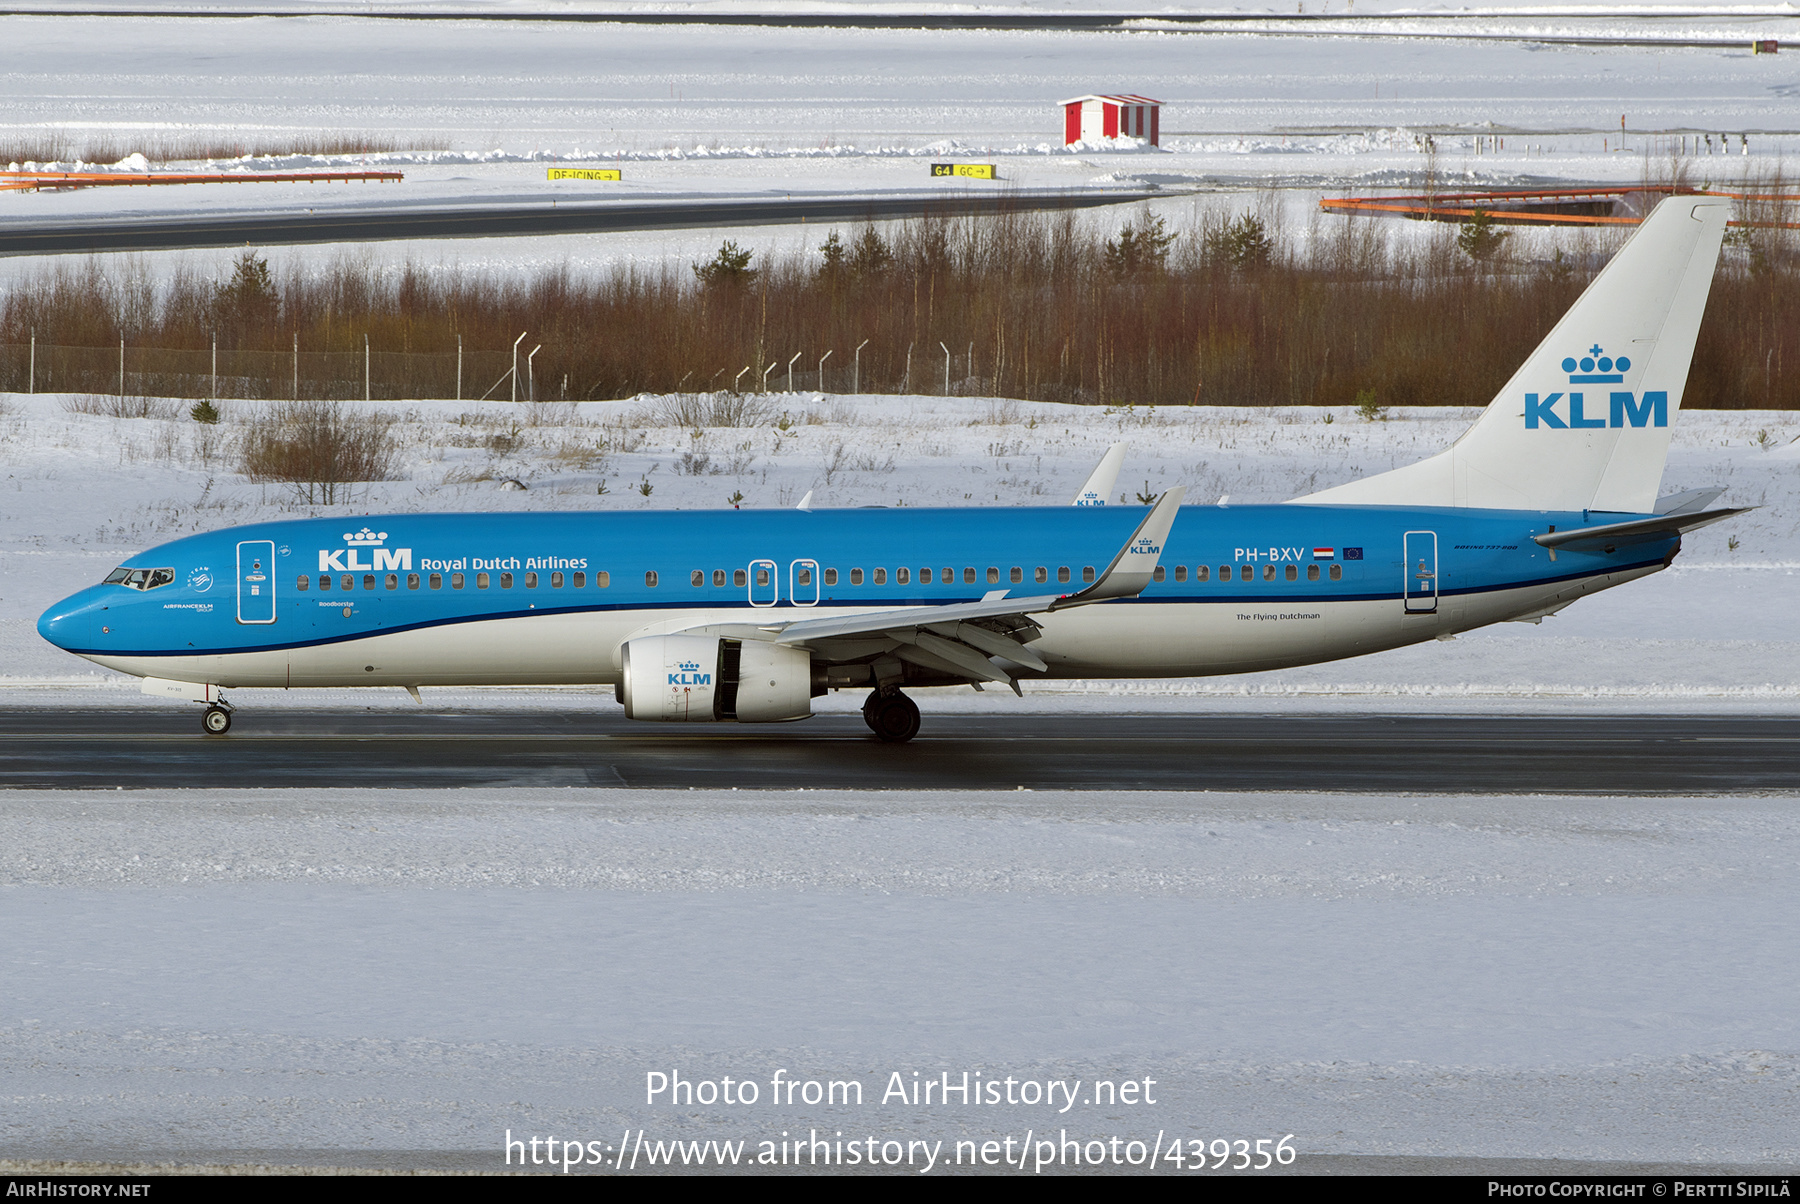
(1623, 409)
(349, 558)
(687, 673)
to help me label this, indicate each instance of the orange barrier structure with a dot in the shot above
(1625, 205)
(13, 181)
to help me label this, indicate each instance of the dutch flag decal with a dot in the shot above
(1324, 553)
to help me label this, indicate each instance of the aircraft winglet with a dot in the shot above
(1100, 482)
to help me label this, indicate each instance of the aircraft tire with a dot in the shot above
(894, 719)
(216, 721)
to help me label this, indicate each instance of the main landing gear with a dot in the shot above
(894, 718)
(217, 720)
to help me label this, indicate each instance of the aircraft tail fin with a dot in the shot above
(1585, 423)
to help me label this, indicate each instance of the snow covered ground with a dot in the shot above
(339, 975)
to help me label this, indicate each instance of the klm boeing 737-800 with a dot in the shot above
(748, 616)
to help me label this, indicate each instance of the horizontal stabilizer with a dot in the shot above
(1691, 502)
(1612, 535)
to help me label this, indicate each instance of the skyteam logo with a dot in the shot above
(687, 673)
(349, 558)
(1623, 408)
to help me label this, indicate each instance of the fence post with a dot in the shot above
(31, 380)
(366, 367)
(971, 371)
(908, 384)
(296, 367)
(459, 367)
(856, 370)
(796, 356)
(121, 367)
(946, 368)
(531, 374)
(822, 360)
(215, 367)
(515, 367)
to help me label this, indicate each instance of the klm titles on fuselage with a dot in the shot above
(1624, 409)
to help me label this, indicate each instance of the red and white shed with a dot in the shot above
(1090, 118)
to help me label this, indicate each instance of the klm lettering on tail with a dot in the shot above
(1596, 368)
(1626, 410)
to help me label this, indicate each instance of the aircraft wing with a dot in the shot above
(959, 637)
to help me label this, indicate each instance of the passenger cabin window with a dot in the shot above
(924, 576)
(1087, 572)
(1062, 573)
(580, 581)
(738, 578)
(762, 576)
(392, 581)
(969, 576)
(481, 580)
(346, 582)
(806, 576)
(304, 584)
(1041, 574)
(602, 580)
(324, 582)
(697, 578)
(1268, 572)
(556, 580)
(1244, 573)
(505, 580)
(530, 580)
(1018, 574)
(880, 576)
(368, 580)
(1292, 573)
(650, 578)
(902, 576)
(718, 576)
(437, 581)
(830, 576)
(856, 576)
(412, 581)
(1312, 572)
(456, 580)
(1201, 572)
(949, 576)
(993, 576)
(1160, 573)
(1337, 572)
(1181, 572)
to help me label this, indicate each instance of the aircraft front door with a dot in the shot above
(256, 581)
(1421, 572)
(765, 583)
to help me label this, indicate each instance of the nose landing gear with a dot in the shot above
(217, 719)
(894, 718)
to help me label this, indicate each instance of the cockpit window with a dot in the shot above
(140, 578)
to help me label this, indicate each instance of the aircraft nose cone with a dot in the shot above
(67, 623)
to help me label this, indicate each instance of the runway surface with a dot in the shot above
(361, 225)
(1465, 754)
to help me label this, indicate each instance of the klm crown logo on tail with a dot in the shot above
(1623, 409)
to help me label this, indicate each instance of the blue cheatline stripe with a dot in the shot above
(785, 612)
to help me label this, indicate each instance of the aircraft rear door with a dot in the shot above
(1421, 573)
(765, 583)
(256, 581)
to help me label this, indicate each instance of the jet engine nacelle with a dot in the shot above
(702, 679)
